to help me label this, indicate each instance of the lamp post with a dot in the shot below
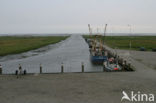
(130, 42)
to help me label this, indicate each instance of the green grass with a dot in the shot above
(15, 44)
(122, 42)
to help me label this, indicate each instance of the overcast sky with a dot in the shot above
(73, 16)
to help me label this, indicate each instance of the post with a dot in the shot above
(24, 72)
(40, 69)
(16, 73)
(0, 69)
(104, 66)
(62, 68)
(82, 64)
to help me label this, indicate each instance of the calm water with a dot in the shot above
(71, 52)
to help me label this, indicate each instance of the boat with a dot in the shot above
(99, 55)
(97, 52)
(113, 67)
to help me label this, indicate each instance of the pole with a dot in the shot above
(62, 68)
(82, 64)
(104, 66)
(89, 30)
(0, 69)
(40, 69)
(104, 33)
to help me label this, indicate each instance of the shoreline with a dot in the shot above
(11, 45)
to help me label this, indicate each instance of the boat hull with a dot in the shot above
(98, 59)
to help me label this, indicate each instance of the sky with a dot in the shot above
(73, 16)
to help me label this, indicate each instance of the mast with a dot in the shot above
(104, 33)
(89, 27)
(90, 31)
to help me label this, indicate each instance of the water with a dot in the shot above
(71, 52)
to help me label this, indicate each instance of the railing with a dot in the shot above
(125, 67)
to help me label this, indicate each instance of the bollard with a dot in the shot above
(104, 66)
(0, 69)
(40, 69)
(62, 68)
(16, 72)
(24, 72)
(82, 64)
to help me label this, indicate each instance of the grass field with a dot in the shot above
(122, 42)
(15, 44)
